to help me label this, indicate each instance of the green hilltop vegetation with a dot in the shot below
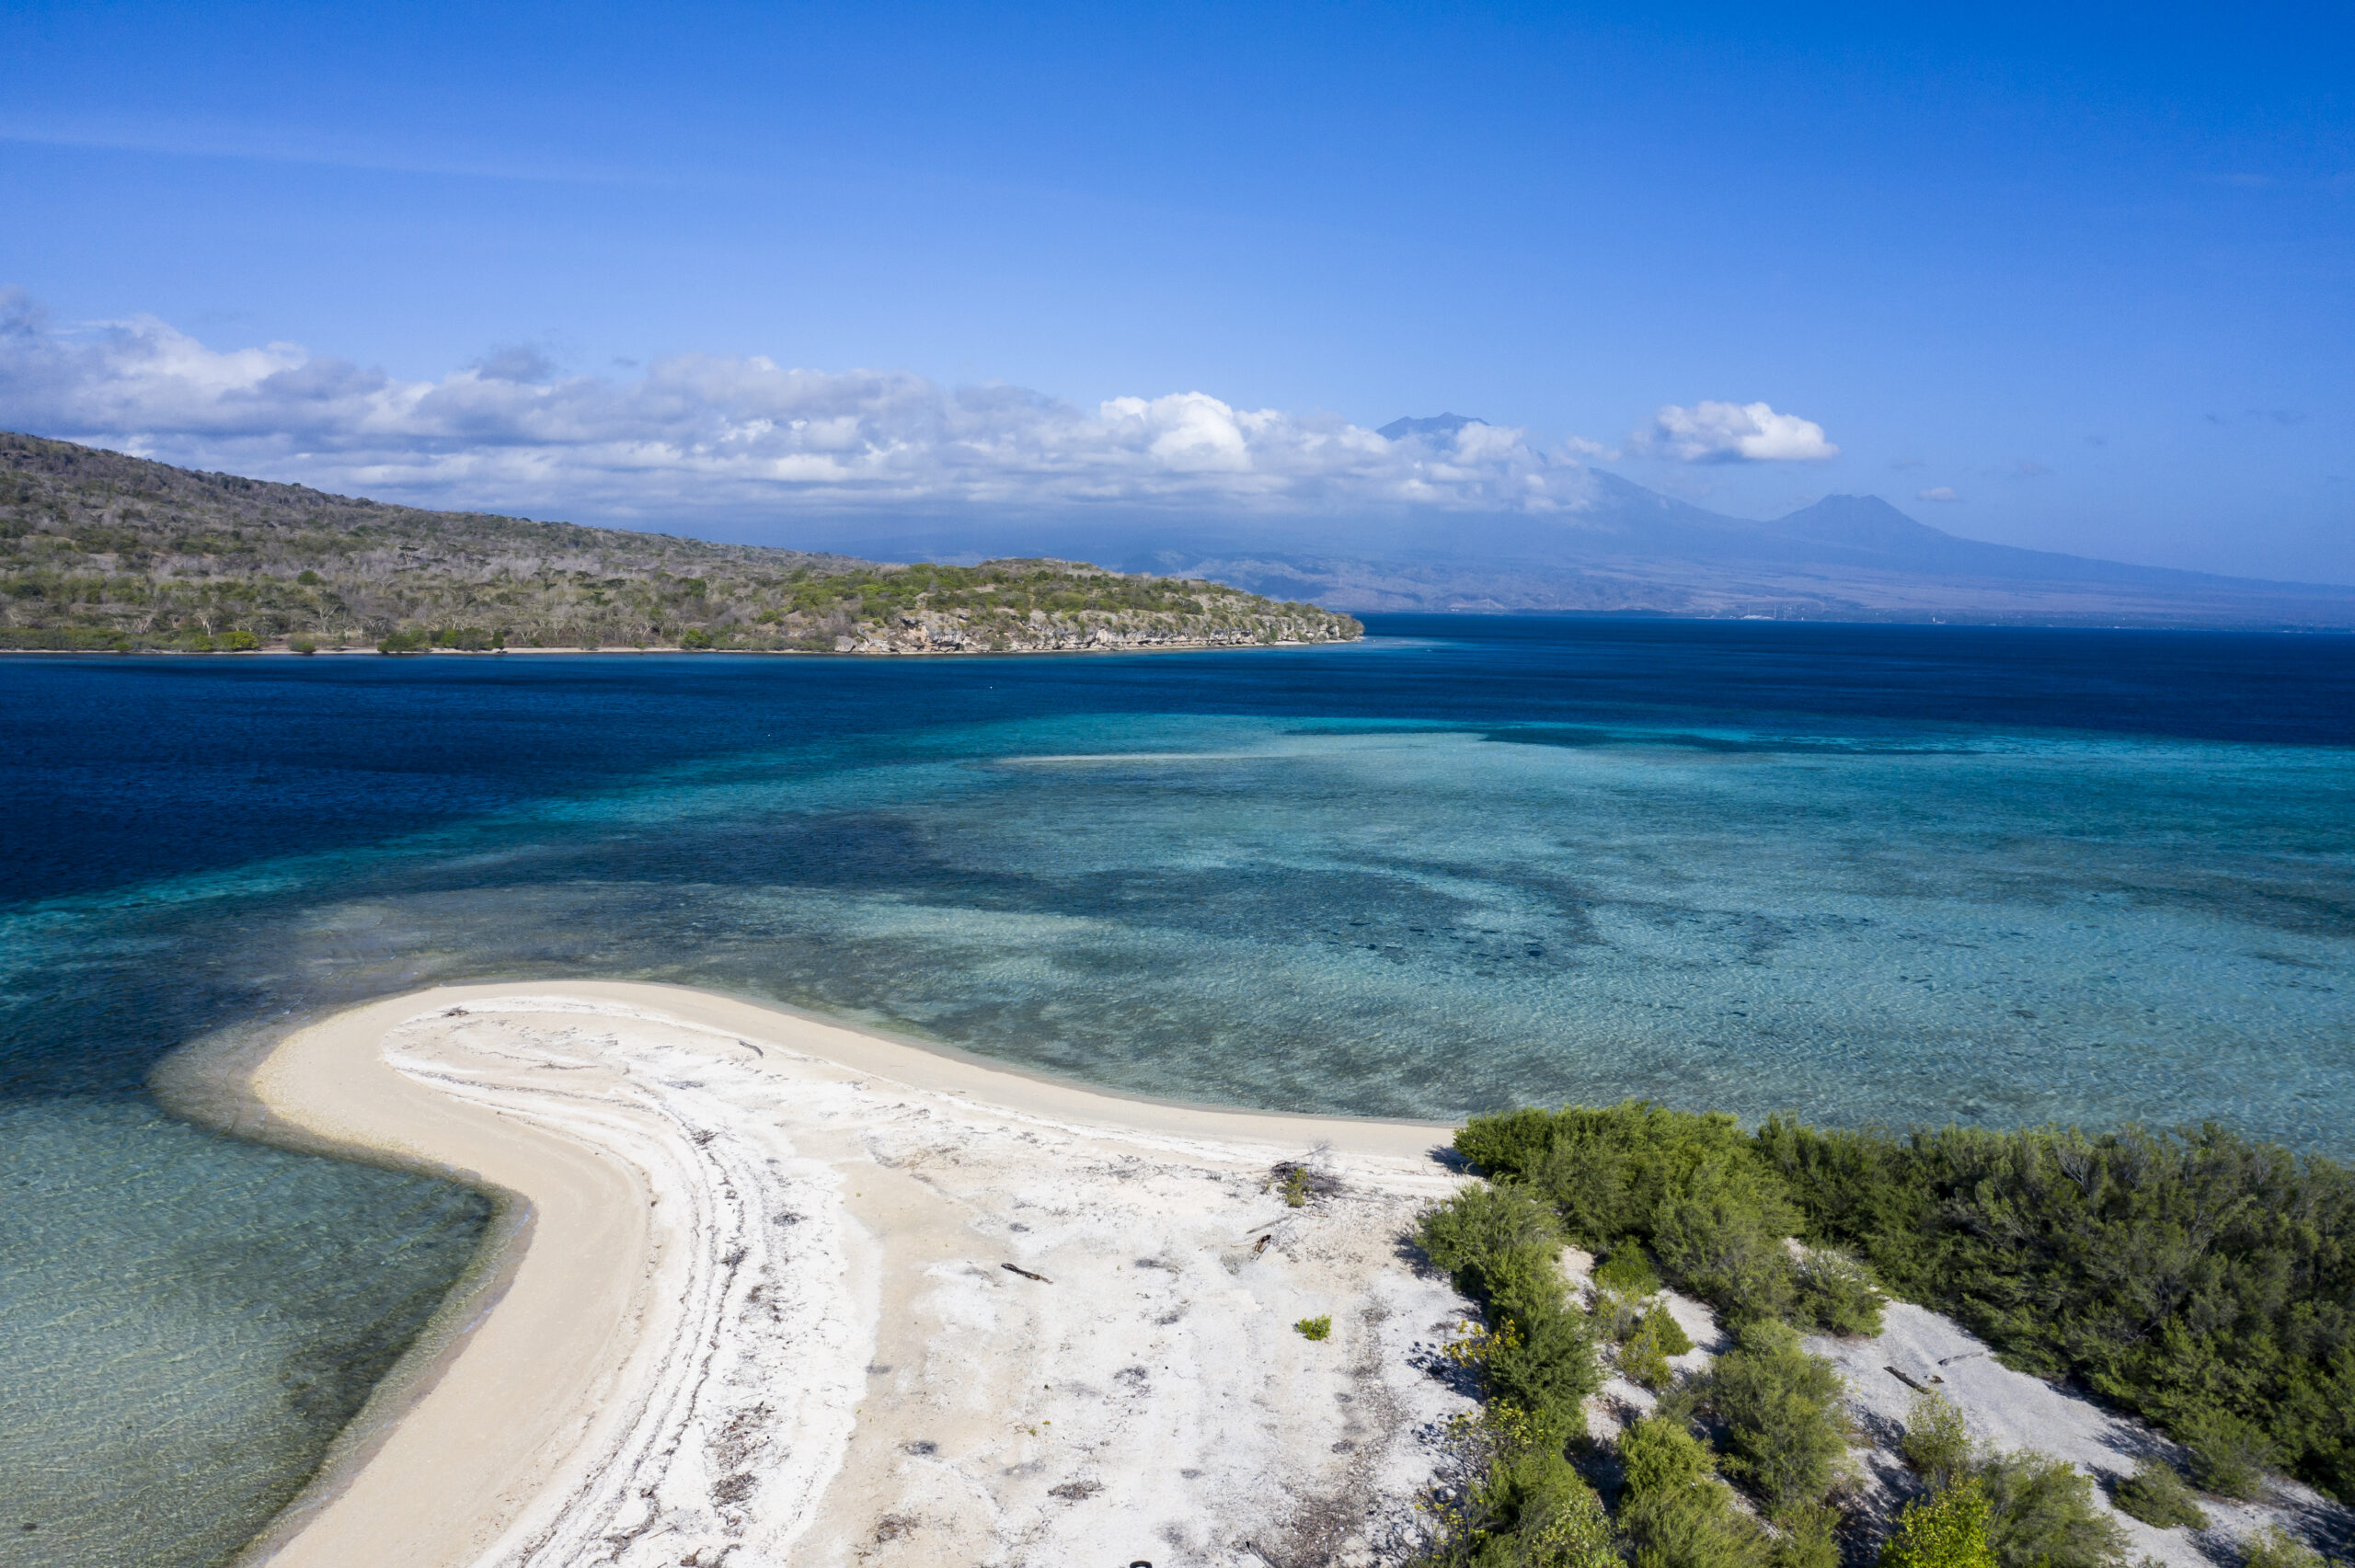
(101, 550)
(2200, 1281)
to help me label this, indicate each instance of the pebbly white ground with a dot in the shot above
(834, 1366)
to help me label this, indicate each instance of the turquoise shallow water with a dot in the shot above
(1863, 874)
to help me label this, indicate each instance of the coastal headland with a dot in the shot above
(101, 552)
(770, 1286)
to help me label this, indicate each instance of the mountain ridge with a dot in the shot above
(103, 551)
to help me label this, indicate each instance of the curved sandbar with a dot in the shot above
(759, 1311)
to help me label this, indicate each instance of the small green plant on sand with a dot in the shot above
(1314, 1328)
(1296, 1191)
(2158, 1496)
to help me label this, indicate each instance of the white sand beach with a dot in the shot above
(772, 1289)
(781, 1290)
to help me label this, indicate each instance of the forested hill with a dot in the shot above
(98, 550)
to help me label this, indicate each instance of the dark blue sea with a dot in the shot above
(1866, 873)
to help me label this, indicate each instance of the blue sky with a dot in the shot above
(2089, 273)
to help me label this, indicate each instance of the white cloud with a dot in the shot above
(1937, 493)
(709, 435)
(1734, 432)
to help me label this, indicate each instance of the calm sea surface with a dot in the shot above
(1866, 873)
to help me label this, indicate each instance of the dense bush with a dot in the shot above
(1945, 1529)
(1482, 1221)
(2197, 1278)
(1780, 1410)
(1807, 1535)
(1531, 1510)
(2277, 1547)
(1686, 1187)
(1674, 1511)
(2229, 1456)
(1629, 1274)
(2155, 1495)
(1692, 1190)
(1526, 1507)
(2187, 1276)
(1651, 1339)
(1837, 1295)
(2042, 1513)
(1935, 1444)
(1502, 1246)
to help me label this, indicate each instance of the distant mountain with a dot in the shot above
(75, 522)
(1634, 551)
(1436, 425)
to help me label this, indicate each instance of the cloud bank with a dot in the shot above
(705, 435)
(1734, 432)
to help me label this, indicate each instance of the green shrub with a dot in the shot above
(696, 640)
(1674, 1511)
(1658, 1454)
(1728, 1252)
(240, 641)
(1548, 1364)
(2157, 1494)
(412, 641)
(2229, 1456)
(1535, 1511)
(303, 645)
(1526, 1507)
(1784, 1434)
(1837, 1295)
(1807, 1535)
(1662, 1325)
(1947, 1530)
(1484, 1220)
(1644, 1363)
(2042, 1513)
(1936, 1443)
(1501, 1245)
(1314, 1328)
(2277, 1547)
(1629, 1273)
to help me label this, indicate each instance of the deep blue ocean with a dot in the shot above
(1866, 874)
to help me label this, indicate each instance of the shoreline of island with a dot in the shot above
(550, 1374)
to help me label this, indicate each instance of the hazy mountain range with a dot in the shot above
(1631, 550)
(1622, 549)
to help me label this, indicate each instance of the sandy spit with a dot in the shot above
(776, 1290)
